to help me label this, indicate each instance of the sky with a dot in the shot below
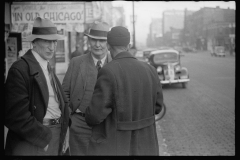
(146, 10)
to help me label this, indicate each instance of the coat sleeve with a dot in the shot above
(66, 84)
(18, 117)
(102, 99)
(67, 81)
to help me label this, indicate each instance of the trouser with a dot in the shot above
(79, 135)
(54, 143)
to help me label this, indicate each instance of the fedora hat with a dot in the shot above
(98, 31)
(44, 29)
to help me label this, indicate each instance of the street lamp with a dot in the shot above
(133, 47)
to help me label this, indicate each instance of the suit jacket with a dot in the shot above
(126, 98)
(79, 81)
(23, 113)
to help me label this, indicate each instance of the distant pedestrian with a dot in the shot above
(126, 97)
(76, 52)
(36, 110)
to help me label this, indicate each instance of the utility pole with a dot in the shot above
(133, 47)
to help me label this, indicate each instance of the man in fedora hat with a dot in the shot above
(78, 85)
(126, 97)
(36, 109)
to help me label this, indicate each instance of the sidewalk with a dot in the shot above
(161, 141)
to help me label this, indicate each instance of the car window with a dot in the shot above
(165, 57)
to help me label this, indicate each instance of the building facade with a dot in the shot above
(210, 27)
(155, 33)
(172, 24)
(72, 19)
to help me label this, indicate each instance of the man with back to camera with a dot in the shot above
(126, 97)
(78, 85)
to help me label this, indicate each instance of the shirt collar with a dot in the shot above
(40, 60)
(102, 60)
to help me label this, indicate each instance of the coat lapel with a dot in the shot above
(36, 71)
(87, 68)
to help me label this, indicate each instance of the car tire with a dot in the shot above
(161, 114)
(184, 84)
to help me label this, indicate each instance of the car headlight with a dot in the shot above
(177, 68)
(159, 69)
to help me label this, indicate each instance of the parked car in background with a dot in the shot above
(187, 49)
(168, 65)
(139, 56)
(218, 51)
(147, 52)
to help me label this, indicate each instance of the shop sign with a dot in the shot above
(57, 12)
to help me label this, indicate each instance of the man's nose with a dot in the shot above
(97, 43)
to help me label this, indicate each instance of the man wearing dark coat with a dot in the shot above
(126, 97)
(36, 109)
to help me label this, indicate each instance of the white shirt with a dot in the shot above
(95, 60)
(53, 110)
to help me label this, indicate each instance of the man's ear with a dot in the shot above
(108, 46)
(128, 46)
(33, 44)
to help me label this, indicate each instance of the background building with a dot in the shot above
(209, 27)
(173, 23)
(72, 19)
(118, 17)
(155, 33)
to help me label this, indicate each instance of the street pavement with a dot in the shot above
(200, 120)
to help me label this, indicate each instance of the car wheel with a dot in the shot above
(184, 85)
(161, 114)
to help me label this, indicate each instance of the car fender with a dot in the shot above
(184, 70)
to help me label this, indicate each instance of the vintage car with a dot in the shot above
(167, 63)
(218, 51)
(147, 52)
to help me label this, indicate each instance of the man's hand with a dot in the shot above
(66, 141)
(45, 149)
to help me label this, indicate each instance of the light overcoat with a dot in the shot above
(24, 114)
(126, 98)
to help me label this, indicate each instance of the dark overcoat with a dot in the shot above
(126, 98)
(24, 114)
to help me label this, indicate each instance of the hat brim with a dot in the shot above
(47, 37)
(95, 37)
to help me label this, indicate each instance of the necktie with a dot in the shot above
(53, 82)
(98, 65)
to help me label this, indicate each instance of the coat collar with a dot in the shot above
(123, 55)
(34, 66)
(36, 71)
